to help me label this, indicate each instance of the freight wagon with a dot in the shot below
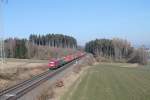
(56, 63)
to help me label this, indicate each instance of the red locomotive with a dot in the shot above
(56, 63)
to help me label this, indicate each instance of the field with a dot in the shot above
(110, 81)
(13, 63)
(17, 70)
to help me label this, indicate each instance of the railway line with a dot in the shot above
(15, 92)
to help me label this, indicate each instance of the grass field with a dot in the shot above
(112, 82)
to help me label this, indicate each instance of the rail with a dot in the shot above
(16, 91)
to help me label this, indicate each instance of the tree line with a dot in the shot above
(37, 45)
(53, 40)
(116, 49)
(15, 48)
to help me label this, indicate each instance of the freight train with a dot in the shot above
(56, 63)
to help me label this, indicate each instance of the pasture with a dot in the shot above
(112, 81)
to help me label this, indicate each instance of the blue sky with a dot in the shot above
(83, 19)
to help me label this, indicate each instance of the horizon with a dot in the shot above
(85, 20)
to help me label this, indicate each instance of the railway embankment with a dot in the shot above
(70, 77)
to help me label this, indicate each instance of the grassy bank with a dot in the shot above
(112, 82)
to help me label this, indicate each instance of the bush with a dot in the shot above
(139, 56)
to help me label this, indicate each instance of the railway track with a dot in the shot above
(15, 92)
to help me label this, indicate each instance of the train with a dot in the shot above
(59, 62)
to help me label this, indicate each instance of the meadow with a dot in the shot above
(112, 81)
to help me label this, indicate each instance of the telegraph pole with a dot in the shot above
(2, 50)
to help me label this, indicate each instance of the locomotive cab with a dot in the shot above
(53, 64)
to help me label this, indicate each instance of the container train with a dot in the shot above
(56, 63)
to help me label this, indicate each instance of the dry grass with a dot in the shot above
(88, 61)
(46, 94)
(11, 76)
(20, 63)
(104, 59)
(131, 65)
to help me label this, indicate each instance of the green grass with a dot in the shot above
(112, 82)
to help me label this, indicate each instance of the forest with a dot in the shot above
(45, 46)
(53, 40)
(116, 50)
(37, 46)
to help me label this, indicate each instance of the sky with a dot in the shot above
(83, 19)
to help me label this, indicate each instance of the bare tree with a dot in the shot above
(139, 56)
